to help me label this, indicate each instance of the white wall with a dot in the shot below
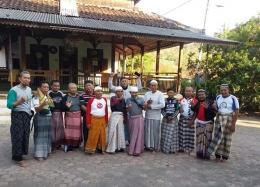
(2, 57)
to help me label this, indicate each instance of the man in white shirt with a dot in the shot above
(227, 107)
(154, 102)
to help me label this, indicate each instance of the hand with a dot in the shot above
(121, 98)
(112, 74)
(181, 110)
(46, 102)
(129, 105)
(169, 119)
(68, 104)
(23, 99)
(192, 104)
(89, 126)
(205, 104)
(214, 105)
(232, 128)
(190, 123)
(150, 101)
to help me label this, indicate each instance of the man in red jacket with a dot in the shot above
(97, 119)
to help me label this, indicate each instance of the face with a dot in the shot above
(224, 91)
(119, 93)
(170, 94)
(134, 94)
(124, 82)
(73, 89)
(201, 96)
(188, 92)
(44, 88)
(25, 79)
(98, 93)
(154, 87)
(89, 87)
(55, 86)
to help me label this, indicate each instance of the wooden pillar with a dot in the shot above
(158, 57)
(206, 68)
(124, 56)
(132, 62)
(142, 59)
(113, 53)
(10, 59)
(179, 68)
(23, 49)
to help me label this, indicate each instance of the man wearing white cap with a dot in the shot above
(227, 107)
(154, 102)
(126, 92)
(136, 122)
(97, 119)
(116, 137)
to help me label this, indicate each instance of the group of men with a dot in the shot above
(86, 119)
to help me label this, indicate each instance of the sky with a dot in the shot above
(192, 12)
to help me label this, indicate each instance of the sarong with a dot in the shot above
(152, 133)
(57, 129)
(186, 134)
(136, 128)
(42, 135)
(221, 142)
(73, 129)
(116, 137)
(85, 129)
(170, 136)
(203, 138)
(20, 133)
(96, 134)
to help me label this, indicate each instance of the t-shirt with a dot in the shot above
(135, 109)
(172, 108)
(156, 106)
(57, 99)
(227, 104)
(36, 103)
(75, 105)
(98, 107)
(185, 105)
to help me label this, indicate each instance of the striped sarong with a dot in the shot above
(170, 136)
(136, 128)
(73, 129)
(57, 129)
(186, 134)
(203, 138)
(42, 135)
(152, 133)
(116, 136)
(96, 134)
(20, 133)
(221, 142)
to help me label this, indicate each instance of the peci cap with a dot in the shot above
(97, 88)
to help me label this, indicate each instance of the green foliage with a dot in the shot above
(238, 65)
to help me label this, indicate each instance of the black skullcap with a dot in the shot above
(224, 86)
(201, 90)
(88, 81)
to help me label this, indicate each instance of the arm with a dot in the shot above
(139, 83)
(110, 83)
(82, 104)
(161, 103)
(64, 106)
(11, 104)
(191, 122)
(177, 110)
(38, 107)
(88, 112)
(106, 116)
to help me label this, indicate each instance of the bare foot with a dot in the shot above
(91, 154)
(191, 153)
(217, 160)
(53, 152)
(22, 164)
(103, 152)
(176, 153)
(40, 159)
(154, 152)
(224, 161)
(70, 152)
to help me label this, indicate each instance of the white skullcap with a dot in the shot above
(97, 88)
(134, 89)
(118, 88)
(154, 81)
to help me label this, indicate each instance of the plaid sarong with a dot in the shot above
(136, 127)
(186, 134)
(170, 136)
(222, 139)
(152, 133)
(57, 129)
(116, 136)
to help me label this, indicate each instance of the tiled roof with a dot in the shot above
(95, 12)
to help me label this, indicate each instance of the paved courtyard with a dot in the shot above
(121, 170)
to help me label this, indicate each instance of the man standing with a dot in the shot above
(73, 130)
(84, 98)
(116, 137)
(97, 119)
(126, 91)
(19, 101)
(205, 114)
(227, 107)
(186, 133)
(57, 127)
(154, 102)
